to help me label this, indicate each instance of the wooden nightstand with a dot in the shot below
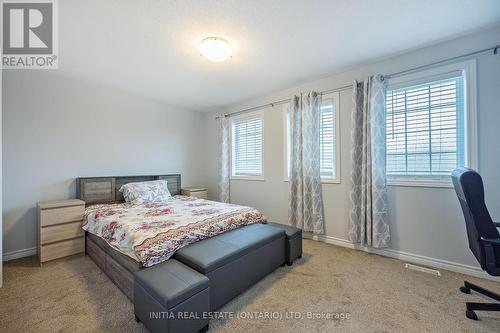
(60, 232)
(199, 192)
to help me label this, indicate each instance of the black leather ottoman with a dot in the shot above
(293, 243)
(171, 297)
(235, 260)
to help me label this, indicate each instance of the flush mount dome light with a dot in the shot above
(216, 49)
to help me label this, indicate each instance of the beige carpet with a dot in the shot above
(376, 294)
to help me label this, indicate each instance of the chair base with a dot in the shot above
(471, 314)
(472, 307)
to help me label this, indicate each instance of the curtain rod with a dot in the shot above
(282, 101)
(445, 61)
(495, 50)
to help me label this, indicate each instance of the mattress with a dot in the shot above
(151, 233)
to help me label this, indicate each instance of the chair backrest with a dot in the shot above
(470, 191)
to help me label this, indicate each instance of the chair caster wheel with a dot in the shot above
(471, 314)
(465, 290)
(137, 319)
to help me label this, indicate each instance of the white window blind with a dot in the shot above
(328, 139)
(425, 128)
(247, 147)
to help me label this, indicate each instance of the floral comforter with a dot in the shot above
(151, 233)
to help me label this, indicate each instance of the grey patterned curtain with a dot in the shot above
(223, 151)
(306, 202)
(368, 213)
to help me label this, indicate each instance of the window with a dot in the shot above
(246, 148)
(428, 121)
(329, 139)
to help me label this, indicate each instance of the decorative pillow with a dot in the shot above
(139, 193)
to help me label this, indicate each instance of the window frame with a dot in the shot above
(249, 115)
(468, 69)
(337, 179)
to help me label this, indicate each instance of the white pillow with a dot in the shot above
(155, 191)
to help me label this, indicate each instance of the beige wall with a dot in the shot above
(56, 129)
(424, 221)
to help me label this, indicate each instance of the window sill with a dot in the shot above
(323, 181)
(442, 183)
(260, 178)
(330, 181)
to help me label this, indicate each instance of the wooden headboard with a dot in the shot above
(96, 190)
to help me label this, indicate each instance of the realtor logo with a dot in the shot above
(29, 34)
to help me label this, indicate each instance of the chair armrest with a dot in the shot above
(489, 251)
(497, 224)
(491, 241)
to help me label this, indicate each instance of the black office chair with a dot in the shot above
(484, 239)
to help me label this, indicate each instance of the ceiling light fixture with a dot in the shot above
(216, 49)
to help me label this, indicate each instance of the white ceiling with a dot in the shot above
(150, 47)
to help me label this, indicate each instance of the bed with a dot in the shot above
(121, 239)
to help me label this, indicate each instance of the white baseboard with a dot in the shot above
(408, 257)
(19, 254)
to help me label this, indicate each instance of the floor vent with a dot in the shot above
(423, 269)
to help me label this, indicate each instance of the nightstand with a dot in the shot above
(199, 192)
(60, 232)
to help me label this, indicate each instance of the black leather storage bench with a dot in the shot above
(171, 297)
(235, 260)
(293, 244)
